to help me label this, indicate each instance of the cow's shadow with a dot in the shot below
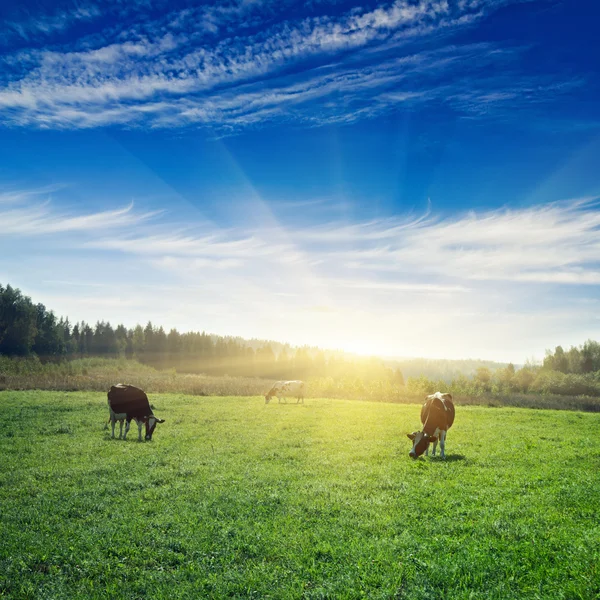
(449, 458)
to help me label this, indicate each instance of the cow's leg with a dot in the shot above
(443, 444)
(140, 424)
(127, 426)
(112, 422)
(434, 447)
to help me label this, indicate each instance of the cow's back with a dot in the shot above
(449, 406)
(277, 387)
(296, 387)
(129, 400)
(438, 411)
(287, 387)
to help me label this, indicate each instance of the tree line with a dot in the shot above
(31, 329)
(576, 360)
(572, 373)
(28, 329)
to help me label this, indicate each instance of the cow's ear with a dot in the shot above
(410, 436)
(160, 420)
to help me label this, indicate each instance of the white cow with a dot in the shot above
(281, 389)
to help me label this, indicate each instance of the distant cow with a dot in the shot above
(125, 403)
(282, 389)
(437, 416)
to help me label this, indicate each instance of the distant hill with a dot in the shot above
(441, 368)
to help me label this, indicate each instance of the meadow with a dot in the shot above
(237, 499)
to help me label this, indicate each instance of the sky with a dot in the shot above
(418, 178)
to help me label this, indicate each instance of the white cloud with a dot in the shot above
(164, 74)
(17, 196)
(497, 284)
(41, 219)
(554, 243)
(32, 27)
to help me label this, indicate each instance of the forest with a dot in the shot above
(30, 331)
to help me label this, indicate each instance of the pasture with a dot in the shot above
(236, 499)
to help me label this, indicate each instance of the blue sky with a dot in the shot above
(409, 178)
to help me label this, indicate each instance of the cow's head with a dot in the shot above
(421, 441)
(151, 422)
(268, 397)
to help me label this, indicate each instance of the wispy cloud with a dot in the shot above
(390, 283)
(15, 195)
(552, 243)
(35, 219)
(29, 27)
(319, 68)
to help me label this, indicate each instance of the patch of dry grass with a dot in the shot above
(98, 374)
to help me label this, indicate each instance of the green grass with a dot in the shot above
(235, 499)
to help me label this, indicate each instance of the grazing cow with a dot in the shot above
(126, 402)
(281, 389)
(437, 416)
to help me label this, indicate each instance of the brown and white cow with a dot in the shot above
(437, 416)
(281, 389)
(126, 402)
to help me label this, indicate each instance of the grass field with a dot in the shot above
(235, 499)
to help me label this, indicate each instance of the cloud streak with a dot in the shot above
(209, 66)
(40, 219)
(29, 28)
(387, 284)
(556, 243)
